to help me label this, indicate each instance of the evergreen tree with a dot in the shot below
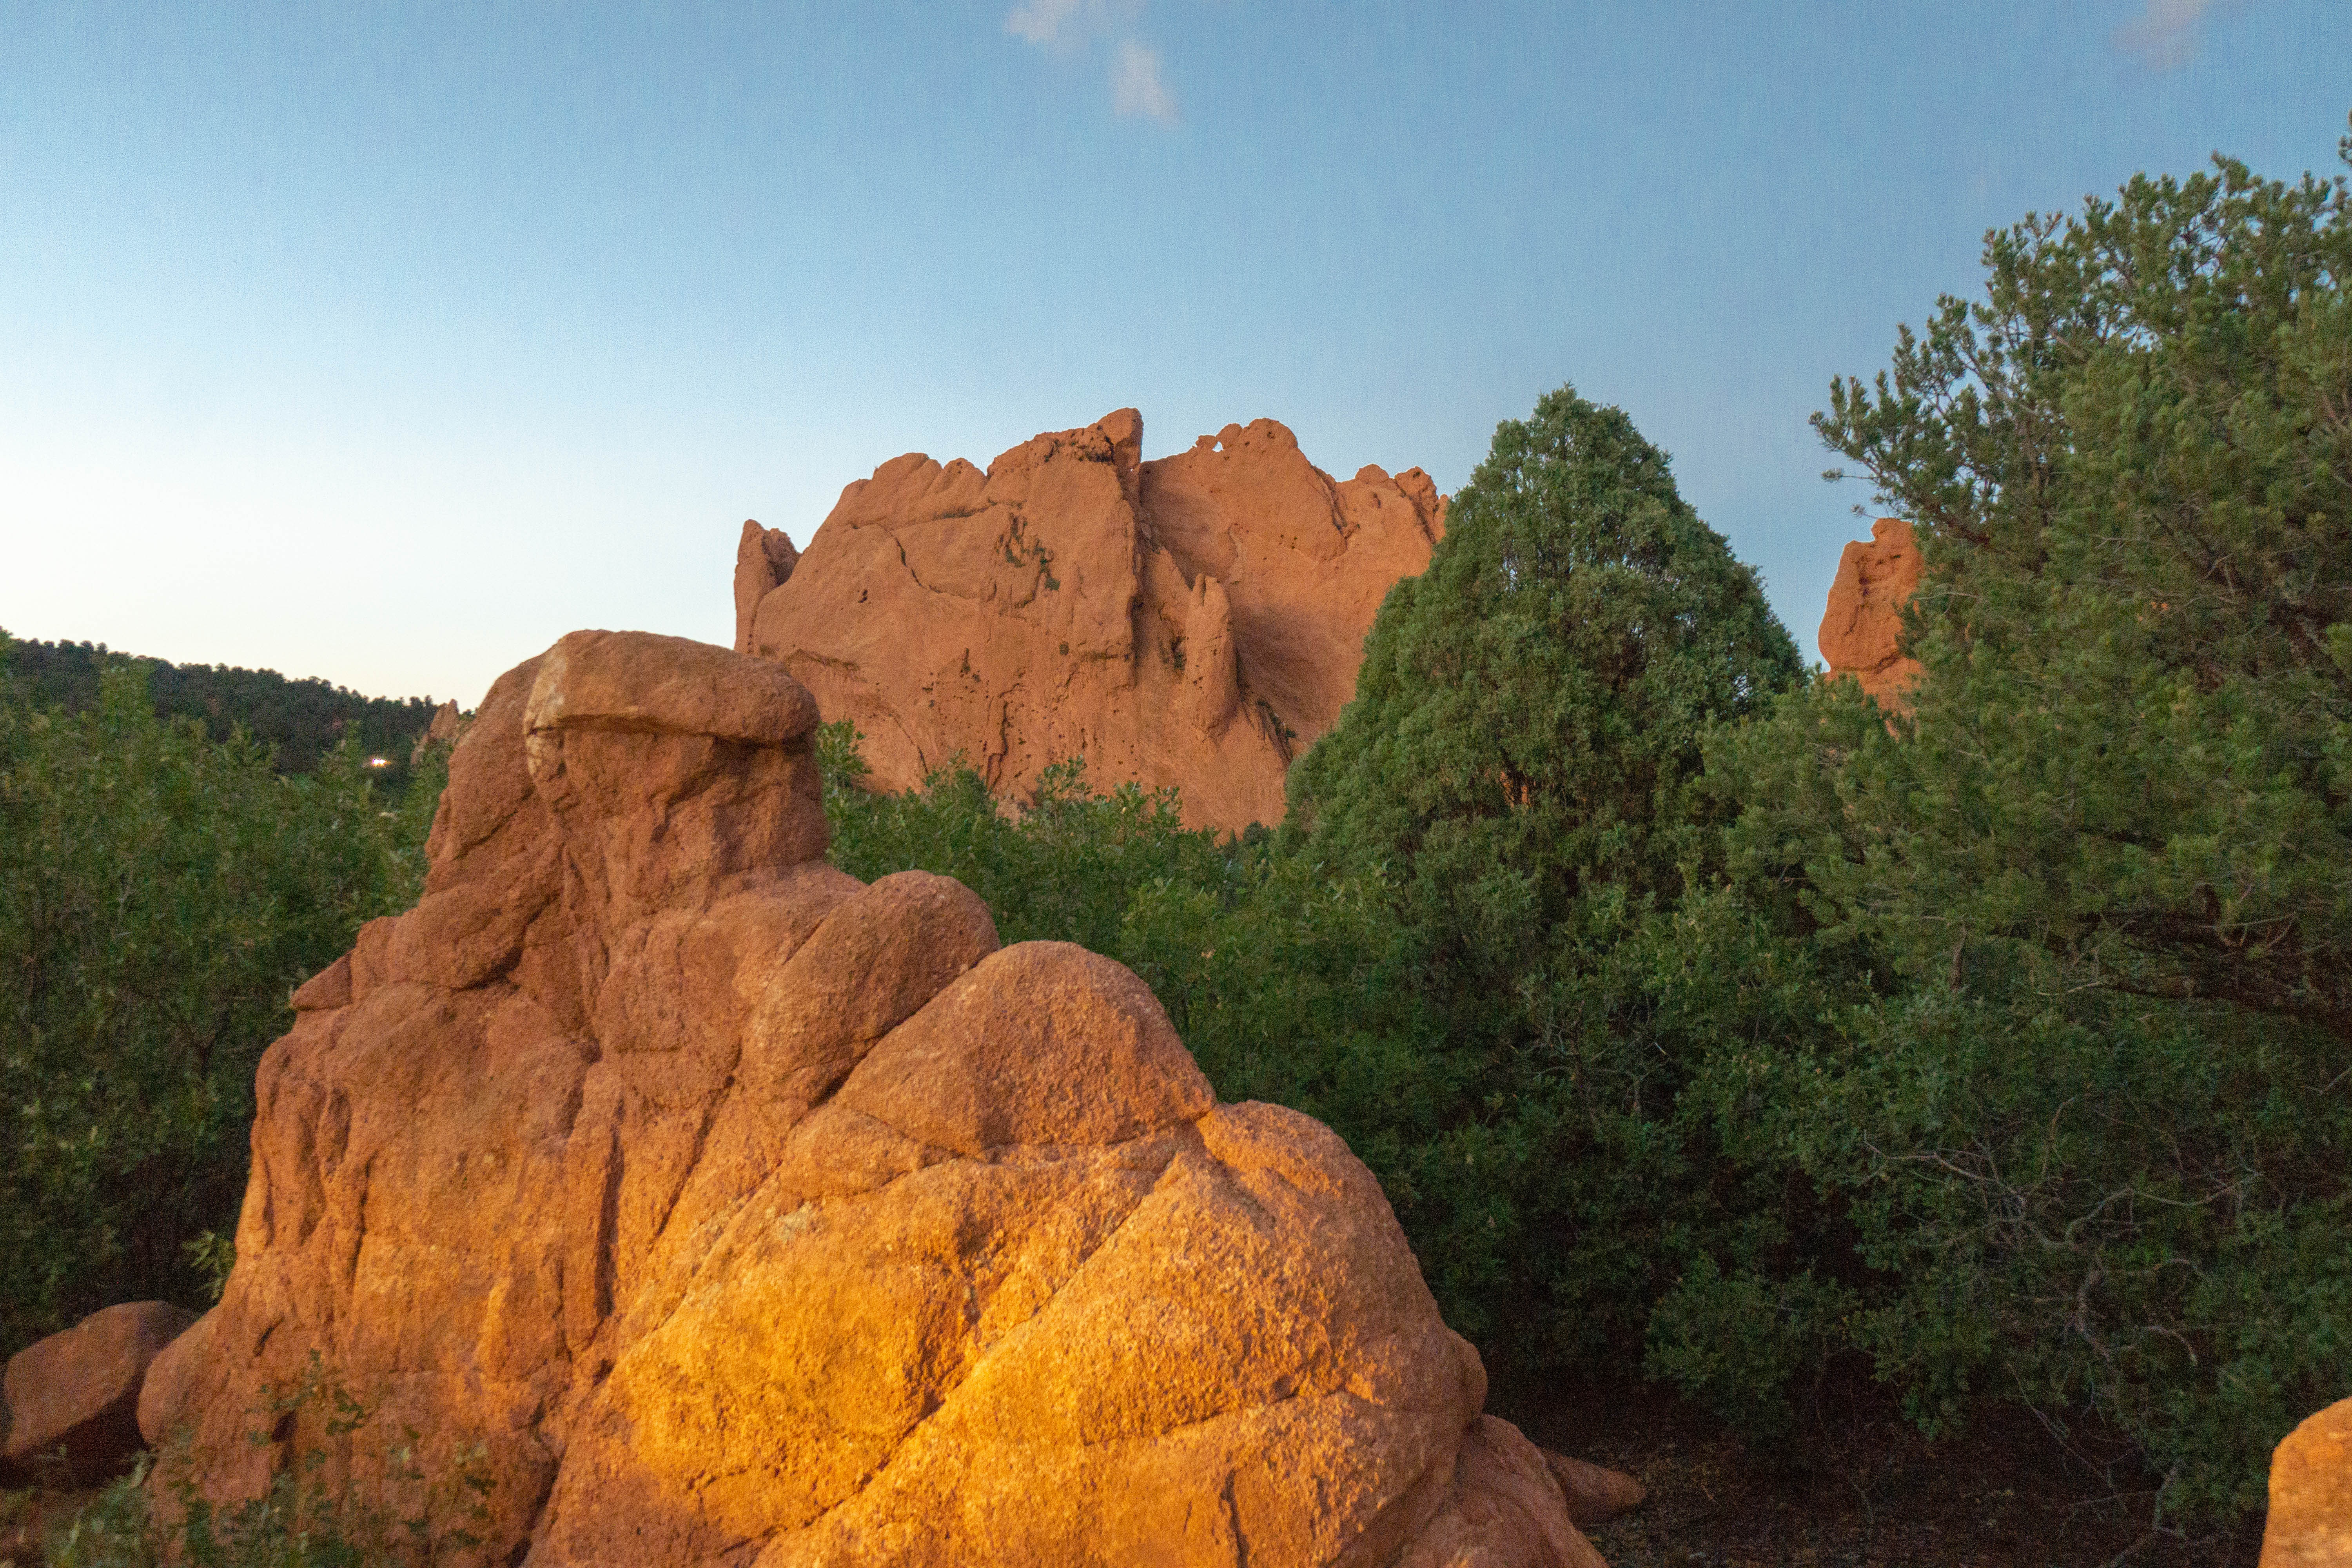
(2097, 1148)
(1518, 770)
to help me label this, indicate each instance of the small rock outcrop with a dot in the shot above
(1194, 621)
(442, 731)
(739, 1212)
(1595, 1493)
(2310, 1522)
(1862, 632)
(78, 1392)
(764, 559)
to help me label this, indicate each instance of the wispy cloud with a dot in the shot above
(1046, 23)
(2164, 36)
(1135, 85)
(1138, 85)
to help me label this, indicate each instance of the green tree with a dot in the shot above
(1520, 774)
(2098, 1146)
(301, 720)
(159, 894)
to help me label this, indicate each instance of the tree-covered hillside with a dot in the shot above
(299, 719)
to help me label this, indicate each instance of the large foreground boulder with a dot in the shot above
(74, 1396)
(717, 1207)
(1194, 621)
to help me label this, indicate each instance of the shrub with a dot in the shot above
(1062, 866)
(159, 894)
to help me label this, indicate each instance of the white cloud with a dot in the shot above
(1135, 85)
(2165, 36)
(1067, 26)
(1047, 22)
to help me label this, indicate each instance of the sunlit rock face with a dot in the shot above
(1195, 621)
(739, 1212)
(1861, 630)
(2309, 1524)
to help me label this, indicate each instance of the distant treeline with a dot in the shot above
(300, 719)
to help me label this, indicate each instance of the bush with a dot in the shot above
(160, 895)
(1061, 867)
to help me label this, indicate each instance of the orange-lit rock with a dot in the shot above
(743, 1213)
(1193, 621)
(2310, 1522)
(442, 731)
(764, 558)
(1862, 631)
(77, 1392)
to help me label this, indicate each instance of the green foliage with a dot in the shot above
(302, 721)
(159, 894)
(2096, 1148)
(2134, 464)
(1518, 776)
(1063, 866)
(213, 1256)
(315, 1512)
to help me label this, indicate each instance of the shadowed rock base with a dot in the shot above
(741, 1213)
(75, 1394)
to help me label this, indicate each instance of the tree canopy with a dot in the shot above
(2097, 1147)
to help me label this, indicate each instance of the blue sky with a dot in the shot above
(389, 342)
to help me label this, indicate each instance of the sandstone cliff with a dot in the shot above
(742, 1213)
(1861, 630)
(1193, 621)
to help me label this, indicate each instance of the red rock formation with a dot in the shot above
(441, 731)
(1595, 1493)
(743, 1213)
(2310, 1522)
(764, 558)
(78, 1391)
(1194, 621)
(1862, 631)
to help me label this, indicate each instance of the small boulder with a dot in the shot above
(2310, 1523)
(78, 1390)
(1594, 1492)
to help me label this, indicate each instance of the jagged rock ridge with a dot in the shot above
(1193, 621)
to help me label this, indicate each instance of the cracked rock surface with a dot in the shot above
(1195, 621)
(741, 1213)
